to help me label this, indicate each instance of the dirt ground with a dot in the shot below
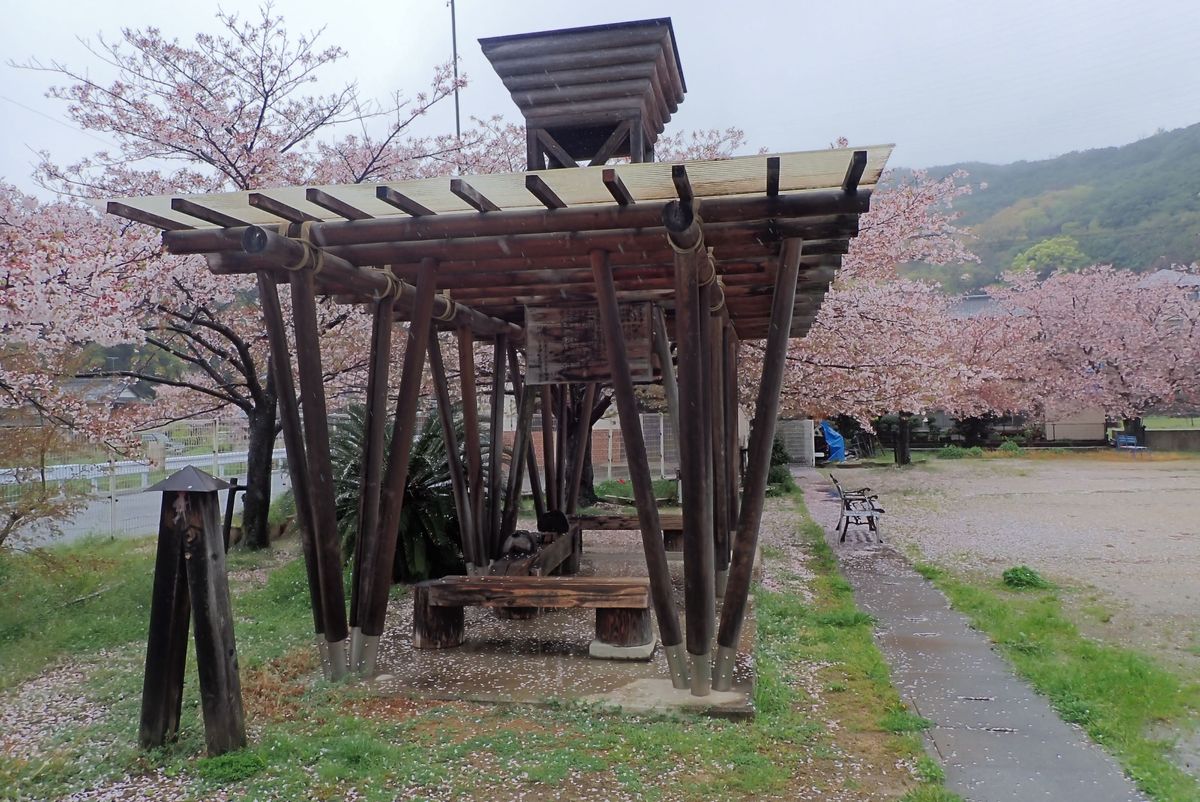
(1121, 534)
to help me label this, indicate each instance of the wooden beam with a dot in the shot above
(762, 435)
(402, 202)
(279, 208)
(639, 474)
(320, 471)
(773, 176)
(610, 146)
(553, 149)
(379, 365)
(542, 191)
(616, 187)
(193, 209)
(472, 196)
(338, 206)
(854, 173)
(683, 186)
(146, 218)
(377, 582)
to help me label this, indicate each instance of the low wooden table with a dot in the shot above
(672, 526)
(622, 605)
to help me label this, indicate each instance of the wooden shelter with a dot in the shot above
(585, 280)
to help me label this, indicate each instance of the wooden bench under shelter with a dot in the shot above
(671, 523)
(859, 507)
(593, 271)
(622, 605)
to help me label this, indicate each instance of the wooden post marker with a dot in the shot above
(189, 573)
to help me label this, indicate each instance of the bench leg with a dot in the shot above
(570, 566)
(623, 633)
(435, 627)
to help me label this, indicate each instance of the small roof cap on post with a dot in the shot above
(189, 479)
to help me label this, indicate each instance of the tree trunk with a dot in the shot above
(1137, 428)
(901, 445)
(256, 502)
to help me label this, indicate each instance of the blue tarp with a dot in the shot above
(835, 444)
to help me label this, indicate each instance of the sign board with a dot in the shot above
(566, 343)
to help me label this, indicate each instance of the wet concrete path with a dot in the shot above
(996, 738)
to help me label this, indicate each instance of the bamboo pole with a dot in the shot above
(496, 445)
(458, 479)
(380, 555)
(639, 474)
(516, 469)
(549, 466)
(535, 482)
(372, 465)
(762, 433)
(662, 347)
(729, 391)
(695, 453)
(320, 471)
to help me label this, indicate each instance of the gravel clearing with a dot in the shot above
(1124, 533)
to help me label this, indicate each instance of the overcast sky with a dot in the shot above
(945, 81)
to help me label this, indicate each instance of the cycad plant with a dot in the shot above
(428, 545)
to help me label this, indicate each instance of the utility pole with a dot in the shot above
(454, 51)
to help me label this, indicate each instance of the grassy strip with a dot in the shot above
(325, 741)
(1116, 694)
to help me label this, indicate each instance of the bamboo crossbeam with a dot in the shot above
(762, 434)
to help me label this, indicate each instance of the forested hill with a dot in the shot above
(1135, 206)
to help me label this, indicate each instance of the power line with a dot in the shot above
(63, 123)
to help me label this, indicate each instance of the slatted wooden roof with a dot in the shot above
(503, 241)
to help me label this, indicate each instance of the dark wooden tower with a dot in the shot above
(591, 94)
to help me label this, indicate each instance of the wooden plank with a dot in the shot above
(609, 148)
(519, 591)
(473, 197)
(616, 187)
(402, 202)
(539, 189)
(668, 520)
(280, 209)
(553, 554)
(562, 343)
(338, 206)
(553, 149)
(212, 618)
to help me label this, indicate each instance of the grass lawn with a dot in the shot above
(830, 724)
(1117, 695)
(1163, 422)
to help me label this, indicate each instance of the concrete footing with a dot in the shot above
(606, 651)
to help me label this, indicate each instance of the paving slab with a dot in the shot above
(997, 739)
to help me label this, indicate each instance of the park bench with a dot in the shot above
(672, 526)
(1128, 442)
(859, 507)
(622, 605)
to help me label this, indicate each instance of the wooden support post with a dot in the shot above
(548, 465)
(732, 455)
(662, 347)
(583, 428)
(166, 647)
(198, 516)
(495, 447)
(458, 479)
(535, 482)
(230, 499)
(435, 627)
(715, 391)
(560, 442)
(639, 471)
(320, 471)
(762, 434)
(297, 460)
(380, 555)
(516, 468)
(372, 464)
(691, 332)
(471, 438)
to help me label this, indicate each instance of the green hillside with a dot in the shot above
(1135, 206)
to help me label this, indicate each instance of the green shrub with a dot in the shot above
(780, 475)
(974, 451)
(1022, 577)
(1011, 448)
(230, 767)
(779, 453)
(958, 452)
